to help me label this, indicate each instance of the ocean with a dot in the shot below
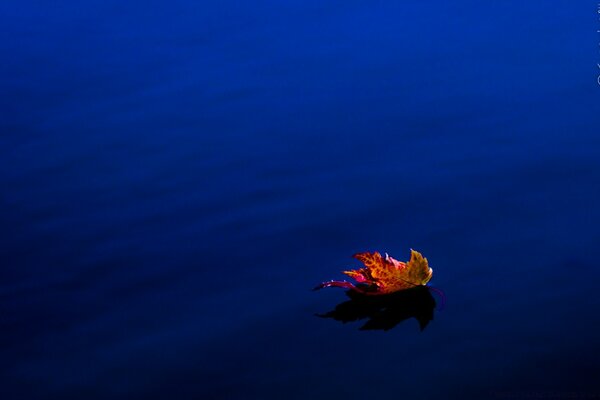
(176, 177)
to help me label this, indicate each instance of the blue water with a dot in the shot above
(176, 176)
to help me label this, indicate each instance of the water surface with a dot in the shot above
(177, 176)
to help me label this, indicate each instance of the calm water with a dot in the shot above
(176, 177)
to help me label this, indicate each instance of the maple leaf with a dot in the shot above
(384, 275)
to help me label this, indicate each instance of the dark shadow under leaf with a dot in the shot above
(384, 312)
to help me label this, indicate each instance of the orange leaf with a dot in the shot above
(383, 275)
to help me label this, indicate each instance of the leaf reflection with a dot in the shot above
(384, 312)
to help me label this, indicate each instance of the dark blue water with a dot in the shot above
(176, 177)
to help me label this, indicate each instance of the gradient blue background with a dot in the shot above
(176, 176)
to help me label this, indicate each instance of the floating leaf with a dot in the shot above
(384, 275)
